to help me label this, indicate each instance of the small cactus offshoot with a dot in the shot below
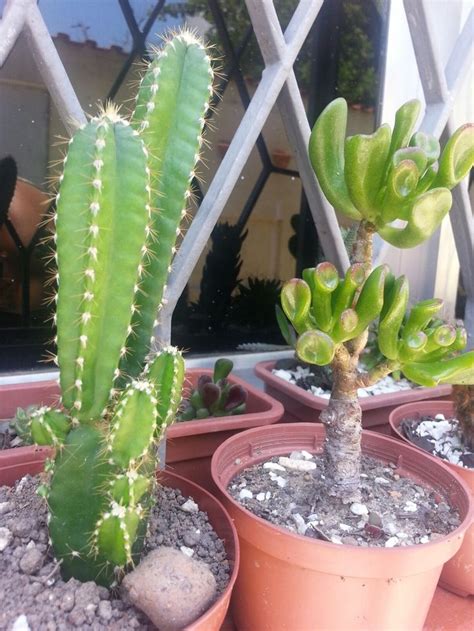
(215, 396)
(122, 195)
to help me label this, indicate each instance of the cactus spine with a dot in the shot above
(119, 206)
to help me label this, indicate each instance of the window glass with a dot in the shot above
(265, 234)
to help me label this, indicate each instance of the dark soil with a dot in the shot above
(393, 510)
(33, 592)
(440, 437)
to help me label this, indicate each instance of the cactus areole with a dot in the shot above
(122, 195)
(375, 180)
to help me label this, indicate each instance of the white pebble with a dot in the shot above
(359, 509)
(187, 551)
(410, 507)
(245, 494)
(391, 528)
(268, 495)
(392, 542)
(336, 539)
(440, 417)
(301, 525)
(297, 465)
(5, 538)
(382, 480)
(345, 527)
(189, 506)
(5, 507)
(21, 624)
(280, 481)
(424, 539)
(260, 497)
(273, 466)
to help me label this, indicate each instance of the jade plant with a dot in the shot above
(375, 180)
(122, 195)
(215, 396)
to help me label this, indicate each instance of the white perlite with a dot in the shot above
(392, 542)
(187, 551)
(21, 624)
(296, 465)
(410, 507)
(245, 494)
(273, 466)
(5, 538)
(359, 509)
(384, 386)
(189, 506)
(445, 436)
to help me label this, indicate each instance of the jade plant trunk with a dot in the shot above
(375, 180)
(122, 195)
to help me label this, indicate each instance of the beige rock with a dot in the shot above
(171, 588)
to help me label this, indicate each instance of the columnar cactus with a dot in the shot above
(375, 180)
(122, 196)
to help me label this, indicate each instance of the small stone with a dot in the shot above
(5, 538)
(273, 466)
(281, 481)
(189, 506)
(191, 538)
(300, 523)
(373, 531)
(5, 507)
(381, 480)
(170, 588)
(359, 509)
(104, 610)
(21, 624)
(391, 528)
(77, 617)
(67, 601)
(375, 519)
(187, 551)
(395, 494)
(23, 527)
(350, 541)
(31, 561)
(410, 507)
(392, 542)
(296, 465)
(424, 539)
(345, 527)
(336, 539)
(260, 497)
(245, 494)
(86, 594)
(268, 495)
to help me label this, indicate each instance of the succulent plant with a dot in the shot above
(215, 396)
(122, 195)
(375, 180)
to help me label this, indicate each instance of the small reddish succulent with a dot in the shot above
(215, 396)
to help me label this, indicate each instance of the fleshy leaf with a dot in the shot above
(315, 347)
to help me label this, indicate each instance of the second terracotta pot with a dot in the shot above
(287, 581)
(458, 573)
(301, 405)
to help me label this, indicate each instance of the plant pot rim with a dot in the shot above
(417, 406)
(273, 412)
(258, 456)
(263, 370)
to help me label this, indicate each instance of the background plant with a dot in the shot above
(375, 180)
(122, 196)
(215, 396)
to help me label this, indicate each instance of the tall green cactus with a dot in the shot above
(120, 202)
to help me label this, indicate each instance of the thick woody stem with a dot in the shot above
(343, 421)
(380, 371)
(362, 249)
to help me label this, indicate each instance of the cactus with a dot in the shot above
(119, 205)
(375, 180)
(215, 396)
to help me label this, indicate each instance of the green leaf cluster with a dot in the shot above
(390, 175)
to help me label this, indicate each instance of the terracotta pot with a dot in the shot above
(218, 517)
(190, 444)
(301, 405)
(458, 573)
(288, 581)
(20, 395)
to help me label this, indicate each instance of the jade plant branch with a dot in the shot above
(376, 180)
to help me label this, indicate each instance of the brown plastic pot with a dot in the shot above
(301, 405)
(287, 581)
(213, 618)
(190, 444)
(458, 573)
